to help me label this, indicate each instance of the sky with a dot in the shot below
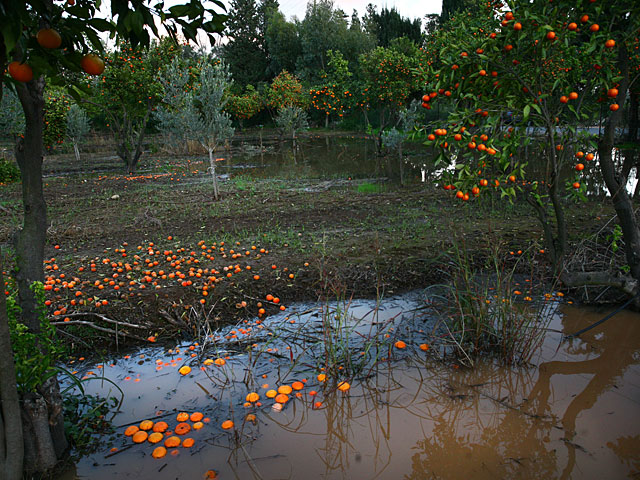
(406, 8)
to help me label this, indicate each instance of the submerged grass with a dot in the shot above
(483, 314)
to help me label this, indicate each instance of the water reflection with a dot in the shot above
(574, 415)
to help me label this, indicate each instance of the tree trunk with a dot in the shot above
(621, 201)
(41, 411)
(326, 121)
(212, 164)
(11, 440)
(76, 151)
(401, 164)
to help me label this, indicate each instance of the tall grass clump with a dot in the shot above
(484, 314)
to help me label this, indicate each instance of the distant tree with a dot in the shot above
(283, 43)
(11, 114)
(291, 119)
(78, 125)
(333, 95)
(389, 24)
(451, 7)
(245, 105)
(246, 53)
(211, 124)
(286, 91)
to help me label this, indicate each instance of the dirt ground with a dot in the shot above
(333, 239)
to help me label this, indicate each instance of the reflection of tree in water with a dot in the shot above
(468, 442)
(610, 342)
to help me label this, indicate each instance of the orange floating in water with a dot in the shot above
(271, 394)
(227, 424)
(182, 428)
(253, 397)
(400, 344)
(146, 425)
(297, 385)
(286, 389)
(140, 436)
(196, 416)
(185, 370)
(344, 386)
(160, 427)
(155, 437)
(424, 347)
(282, 398)
(159, 452)
(188, 442)
(182, 417)
(172, 441)
(132, 430)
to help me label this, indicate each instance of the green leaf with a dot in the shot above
(526, 111)
(101, 24)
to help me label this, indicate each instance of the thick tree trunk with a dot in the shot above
(42, 410)
(621, 201)
(11, 440)
(30, 240)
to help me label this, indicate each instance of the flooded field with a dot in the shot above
(409, 412)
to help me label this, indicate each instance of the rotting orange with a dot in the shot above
(155, 437)
(160, 427)
(196, 416)
(131, 430)
(198, 425)
(182, 428)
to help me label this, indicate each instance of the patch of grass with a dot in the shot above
(368, 188)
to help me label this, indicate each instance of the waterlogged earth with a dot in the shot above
(408, 413)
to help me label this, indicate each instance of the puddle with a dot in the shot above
(574, 415)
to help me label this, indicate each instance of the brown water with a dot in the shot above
(575, 415)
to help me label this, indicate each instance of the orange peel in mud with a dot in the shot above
(140, 436)
(160, 427)
(286, 389)
(227, 424)
(182, 417)
(271, 394)
(344, 386)
(159, 452)
(196, 416)
(146, 425)
(282, 398)
(172, 441)
(182, 428)
(185, 370)
(155, 437)
(253, 397)
(131, 430)
(188, 442)
(297, 385)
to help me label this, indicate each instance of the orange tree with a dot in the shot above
(128, 92)
(45, 40)
(387, 79)
(333, 97)
(286, 91)
(521, 81)
(245, 105)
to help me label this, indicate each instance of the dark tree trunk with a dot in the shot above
(621, 200)
(43, 425)
(11, 440)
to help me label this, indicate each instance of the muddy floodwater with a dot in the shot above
(574, 414)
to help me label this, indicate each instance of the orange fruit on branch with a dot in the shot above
(92, 64)
(49, 38)
(21, 72)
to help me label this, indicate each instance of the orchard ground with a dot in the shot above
(148, 249)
